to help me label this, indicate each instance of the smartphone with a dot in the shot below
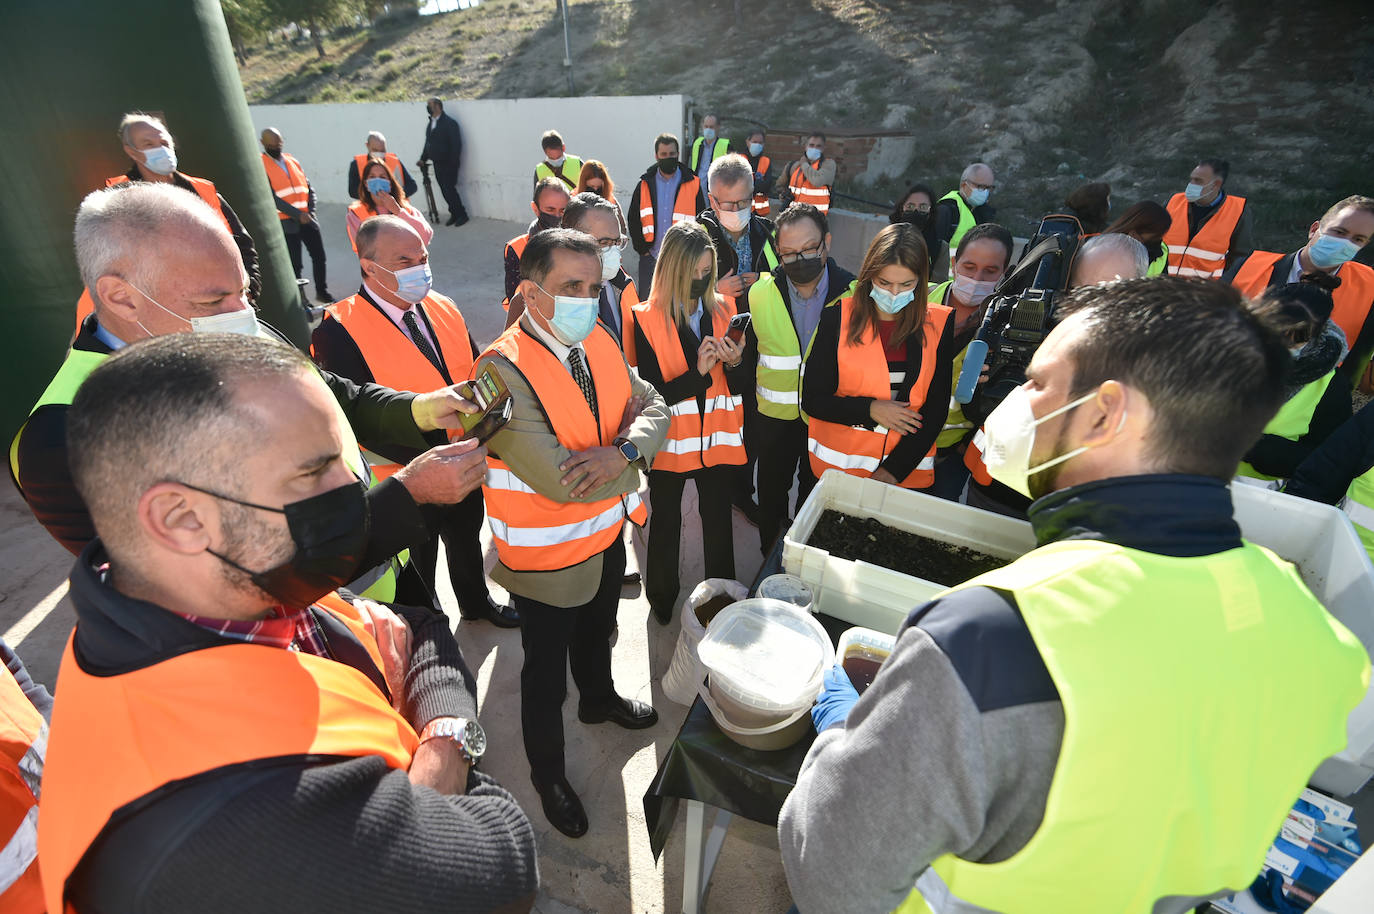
(491, 395)
(738, 324)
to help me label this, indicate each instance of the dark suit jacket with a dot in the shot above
(443, 141)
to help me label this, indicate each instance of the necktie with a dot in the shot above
(421, 342)
(583, 379)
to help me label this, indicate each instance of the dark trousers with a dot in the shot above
(951, 474)
(782, 456)
(744, 477)
(714, 486)
(460, 527)
(554, 638)
(446, 175)
(646, 275)
(314, 243)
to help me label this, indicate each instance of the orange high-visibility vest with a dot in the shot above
(863, 373)
(394, 359)
(803, 191)
(515, 246)
(23, 736)
(204, 189)
(294, 189)
(973, 458)
(118, 738)
(393, 165)
(684, 207)
(534, 533)
(626, 300)
(1350, 302)
(364, 213)
(695, 439)
(761, 205)
(1204, 254)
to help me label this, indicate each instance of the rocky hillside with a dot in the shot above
(1052, 93)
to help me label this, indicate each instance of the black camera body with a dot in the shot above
(1019, 315)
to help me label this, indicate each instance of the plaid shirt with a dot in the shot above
(294, 631)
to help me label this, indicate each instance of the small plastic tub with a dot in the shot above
(789, 589)
(862, 652)
(765, 660)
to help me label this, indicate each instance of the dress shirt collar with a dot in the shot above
(396, 314)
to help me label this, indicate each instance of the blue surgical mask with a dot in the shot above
(243, 321)
(979, 196)
(708, 133)
(813, 153)
(412, 283)
(573, 318)
(889, 303)
(1193, 192)
(378, 186)
(160, 160)
(756, 149)
(1328, 251)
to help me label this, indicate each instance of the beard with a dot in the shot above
(253, 544)
(1047, 481)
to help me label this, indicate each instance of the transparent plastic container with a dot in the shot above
(789, 589)
(862, 652)
(765, 660)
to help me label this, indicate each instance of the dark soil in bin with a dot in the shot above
(867, 539)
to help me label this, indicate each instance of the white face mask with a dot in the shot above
(733, 222)
(971, 291)
(243, 321)
(160, 160)
(610, 263)
(1010, 433)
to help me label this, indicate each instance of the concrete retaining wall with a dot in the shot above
(500, 142)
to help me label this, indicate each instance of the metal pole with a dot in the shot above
(567, 47)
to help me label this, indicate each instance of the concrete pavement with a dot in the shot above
(610, 869)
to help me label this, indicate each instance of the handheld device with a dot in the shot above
(489, 391)
(738, 324)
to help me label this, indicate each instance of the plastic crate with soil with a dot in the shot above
(866, 539)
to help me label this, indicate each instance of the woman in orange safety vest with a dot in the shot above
(685, 351)
(878, 380)
(374, 199)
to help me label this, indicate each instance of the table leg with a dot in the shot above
(699, 857)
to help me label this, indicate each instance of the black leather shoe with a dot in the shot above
(496, 614)
(324, 297)
(460, 220)
(626, 712)
(452, 220)
(663, 614)
(630, 578)
(562, 807)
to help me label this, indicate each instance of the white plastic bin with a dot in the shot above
(871, 595)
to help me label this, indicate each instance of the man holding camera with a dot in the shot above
(1144, 620)
(563, 476)
(398, 332)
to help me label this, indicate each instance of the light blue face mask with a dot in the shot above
(756, 149)
(813, 153)
(1328, 251)
(378, 186)
(708, 134)
(573, 318)
(979, 196)
(412, 283)
(889, 303)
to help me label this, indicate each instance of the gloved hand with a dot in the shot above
(837, 698)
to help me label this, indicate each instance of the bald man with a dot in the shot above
(375, 145)
(295, 200)
(1109, 258)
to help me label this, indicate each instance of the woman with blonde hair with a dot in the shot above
(685, 351)
(379, 194)
(877, 384)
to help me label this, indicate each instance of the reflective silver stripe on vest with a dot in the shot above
(506, 481)
(20, 851)
(686, 407)
(941, 900)
(534, 537)
(1359, 514)
(31, 764)
(839, 459)
(1205, 274)
(784, 397)
(370, 577)
(780, 362)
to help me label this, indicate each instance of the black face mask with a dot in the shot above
(1155, 249)
(549, 220)
(915, 217)
(273, 152)
(667, 166)
(698, 288)
(330, 532)
(802, 272)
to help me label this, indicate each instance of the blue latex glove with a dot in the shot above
(837, 698)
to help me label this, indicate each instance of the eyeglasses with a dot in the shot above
(916, 207)
(607, 244)
(731, 206)
(809, 254)
(976, 186)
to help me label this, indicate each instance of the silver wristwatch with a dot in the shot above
(468, 734)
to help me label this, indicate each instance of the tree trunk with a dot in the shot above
(315, 34)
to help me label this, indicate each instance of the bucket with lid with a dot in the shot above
(789, 589)
(764, 661)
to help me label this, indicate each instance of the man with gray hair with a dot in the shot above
(958, 211)
(708, 149)
(376, 146)
(1108, 258)
(159, 262)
